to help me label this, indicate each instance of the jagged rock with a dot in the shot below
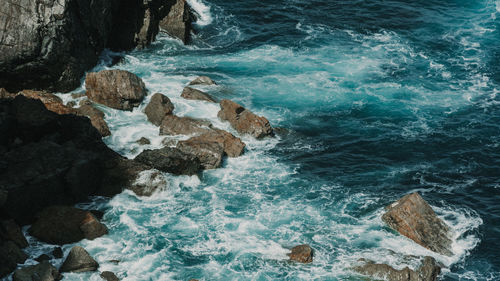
(243, 120)
(9, 230)
(10, 256)
(117, 89)
(202, 80)
(414, 218)
(143, 141)
(209, 153)
(178, 21)
(43, 271)
(428, 271)
(195, 94)
(57, 252)
(159, 107)
(302, 254)
(148, 182)
(62, 225)
(79, 260)
(51, 101)
(96, 118)
(171, 160)
(174, 125)
(109, 276)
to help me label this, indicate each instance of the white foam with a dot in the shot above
(203, 11)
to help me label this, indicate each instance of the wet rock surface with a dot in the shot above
(202, 80)
(148, 182)
(428, 271)
(109, 276)
(177, 23)
(79, 260)
(159, 107)
(195, 94)
(43, 271)
(302, 253)
(209, 153)
(171, 160)
(174, 125)
(243, 120)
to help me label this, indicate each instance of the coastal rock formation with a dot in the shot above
(174, 125)
(117, 89)
(62, 225)
(109, 276)
(43, 271)
(414, 218)
(302, 254)
(202, 80)
(50, 44)
(51, 101)
(9, 230)
(96, 118)
(171, 160)
(195, 94)
(159, 107)
(209, 153)
(231, 145)
(78, 260)
(428, 271)
(243, 120)
(10, 256)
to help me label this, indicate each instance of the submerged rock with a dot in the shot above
(178, 21)
(117, 89)
(414, 218)
(202, 80)
(96, 118)
(159, 107)
(243, 120)
(428, 271)
(174, 125)
(302, 253)
(195, 94)
(79, 260)
(109, 276)
(43, 271)
(171, 160)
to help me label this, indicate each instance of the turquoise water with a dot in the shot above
(381, 98)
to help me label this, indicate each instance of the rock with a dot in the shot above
(109, 276)
(79, 260)
(117, 89)
(10, 256)
(202, 80)
(194, 94)
(97, 214)
(244, 121)
(51, 101)
(302, 254)
(78, 95)
(143, 141)
(96, 118)
(42, 257)
(209, 153)
(43, 271)
(414, 218)
(62, 225)
(171, 160)
(178, 21)
(57, 252)
(159, 106)
(71, 104)
(85, 102)
(148, 182)
(428, 271)
(174, 125)
(9, 230)
(4, 94)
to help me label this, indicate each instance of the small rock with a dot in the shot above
(174, 125)
(159, 106)
(96, 117)
(243, 120)
(109, 276)
(148, 182)
(428, 271)
(9, 230)
(195, 94)
(79, 260)
(143, 141)
(43, 271)
(414, 218)
(57, 252)
(301, 253)
(117, 89)
(42, 257)
(171, 160)
(202, 80)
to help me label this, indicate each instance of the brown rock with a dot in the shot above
(96, 118)
(243, 120)
(233, 146)
(109, 276)
(79, 260)
(62, 225)
(4, 94)
(9, 230)
(202, 80)
(171, 160)
(43, 271)
(118, 89)
(78, 95)
(195, 94)
(174, 125)
(159, 107)
(301, 253)
(143, 141)
(209, 153)
(178, 21)
(51, 101)
(428, 271)
(414, 218)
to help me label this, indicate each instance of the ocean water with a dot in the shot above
(379, 99)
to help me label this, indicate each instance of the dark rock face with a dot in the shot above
(171, 160)
(414, 218)
(302, 254)
(57, 253)
(203, 80)
(143, 141)
(51, 101)
(117, 89)
(174, 125)
(243, 120)
(159, 107)
(62, 225)
(10, 256)
(194, 94)
(177, 23)
(96, 118)
(109, 276)
(43, 271)
(428, 271)
(9, 230)
(79, 260)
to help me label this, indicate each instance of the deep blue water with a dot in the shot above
(381, 98)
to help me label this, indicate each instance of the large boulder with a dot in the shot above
(301, 253)
(159, 107)
(243, 120)
(43, 271)
(62, 225)
(177, 23)
(195, 94)
(174, 125)
(428, 271)
(414, 218)
(96, 118)
(79, 260)
(209, 153)
(117, 89)
(202, 80)
(171, 160)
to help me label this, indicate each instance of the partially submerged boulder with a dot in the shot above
(301, 253)
(96, 118)
(43, 271)
(143, 141)
(178, 21)
(171, 160)
(174, 125)
(195, 94)
(79, 260)
(428, 271)
(210, 141)
(209, 153)
(159, 107)
(414, 218)
(62, 225)
(202, 80)
(109, 276)
(117, 89)
(243, 120)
